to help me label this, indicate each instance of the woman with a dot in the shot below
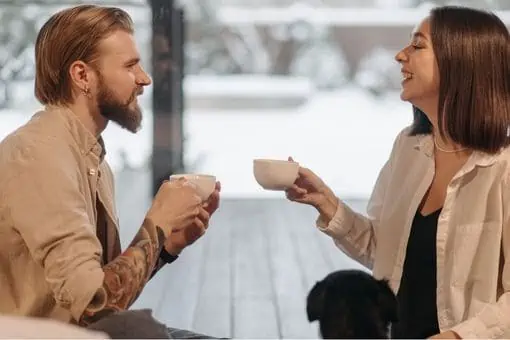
(438, 218)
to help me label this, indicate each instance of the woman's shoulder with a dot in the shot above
(405, 140)
(502, 158)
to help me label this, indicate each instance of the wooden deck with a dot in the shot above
(248, 276)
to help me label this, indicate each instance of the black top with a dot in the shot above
(417, 293)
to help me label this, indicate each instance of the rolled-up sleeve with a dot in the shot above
(355, 233)
(49, 211)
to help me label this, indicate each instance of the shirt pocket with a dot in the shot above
(475, 252)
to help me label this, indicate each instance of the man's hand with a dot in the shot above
(175, 206)
(213, 202)
(178, 240)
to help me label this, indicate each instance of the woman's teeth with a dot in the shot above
(406, 75)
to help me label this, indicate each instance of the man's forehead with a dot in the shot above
(120, 44)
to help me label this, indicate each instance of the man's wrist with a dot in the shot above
(170, 248)
(150, 219)
(168, 257)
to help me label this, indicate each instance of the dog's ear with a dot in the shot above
(387, 301)
(315, 301)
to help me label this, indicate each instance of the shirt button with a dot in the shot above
(92, 172)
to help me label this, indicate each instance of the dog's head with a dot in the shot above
(352, 304)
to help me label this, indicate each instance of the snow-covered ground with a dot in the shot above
(345, 136)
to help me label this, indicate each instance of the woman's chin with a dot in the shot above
(404, 96)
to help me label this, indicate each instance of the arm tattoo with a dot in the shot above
(127, 274)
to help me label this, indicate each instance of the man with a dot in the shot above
(60, 254)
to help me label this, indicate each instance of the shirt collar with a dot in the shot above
(425, 144)
(87, 142)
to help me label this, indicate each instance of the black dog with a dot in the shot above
(352, 304)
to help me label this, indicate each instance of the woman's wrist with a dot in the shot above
(327, 209)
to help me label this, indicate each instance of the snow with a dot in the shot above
(247, 85)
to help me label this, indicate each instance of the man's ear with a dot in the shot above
(80, 75)
(315, 301)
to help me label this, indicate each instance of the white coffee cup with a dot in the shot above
(204, 184)
(274, 174)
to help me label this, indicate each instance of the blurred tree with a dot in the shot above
(20, 21)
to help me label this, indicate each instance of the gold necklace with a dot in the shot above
(445, 150)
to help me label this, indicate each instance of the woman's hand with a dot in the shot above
(310, 189)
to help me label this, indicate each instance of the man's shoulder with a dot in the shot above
(42, 139)
(41, 131)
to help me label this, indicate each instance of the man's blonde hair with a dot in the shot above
(70, 35)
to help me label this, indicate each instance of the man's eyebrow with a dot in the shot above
(132, 61)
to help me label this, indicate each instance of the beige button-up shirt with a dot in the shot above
(473, 235)
(19, 327)
(52, 173)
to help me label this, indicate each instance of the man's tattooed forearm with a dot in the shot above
(127, 274)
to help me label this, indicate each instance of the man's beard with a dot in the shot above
(129, 118)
